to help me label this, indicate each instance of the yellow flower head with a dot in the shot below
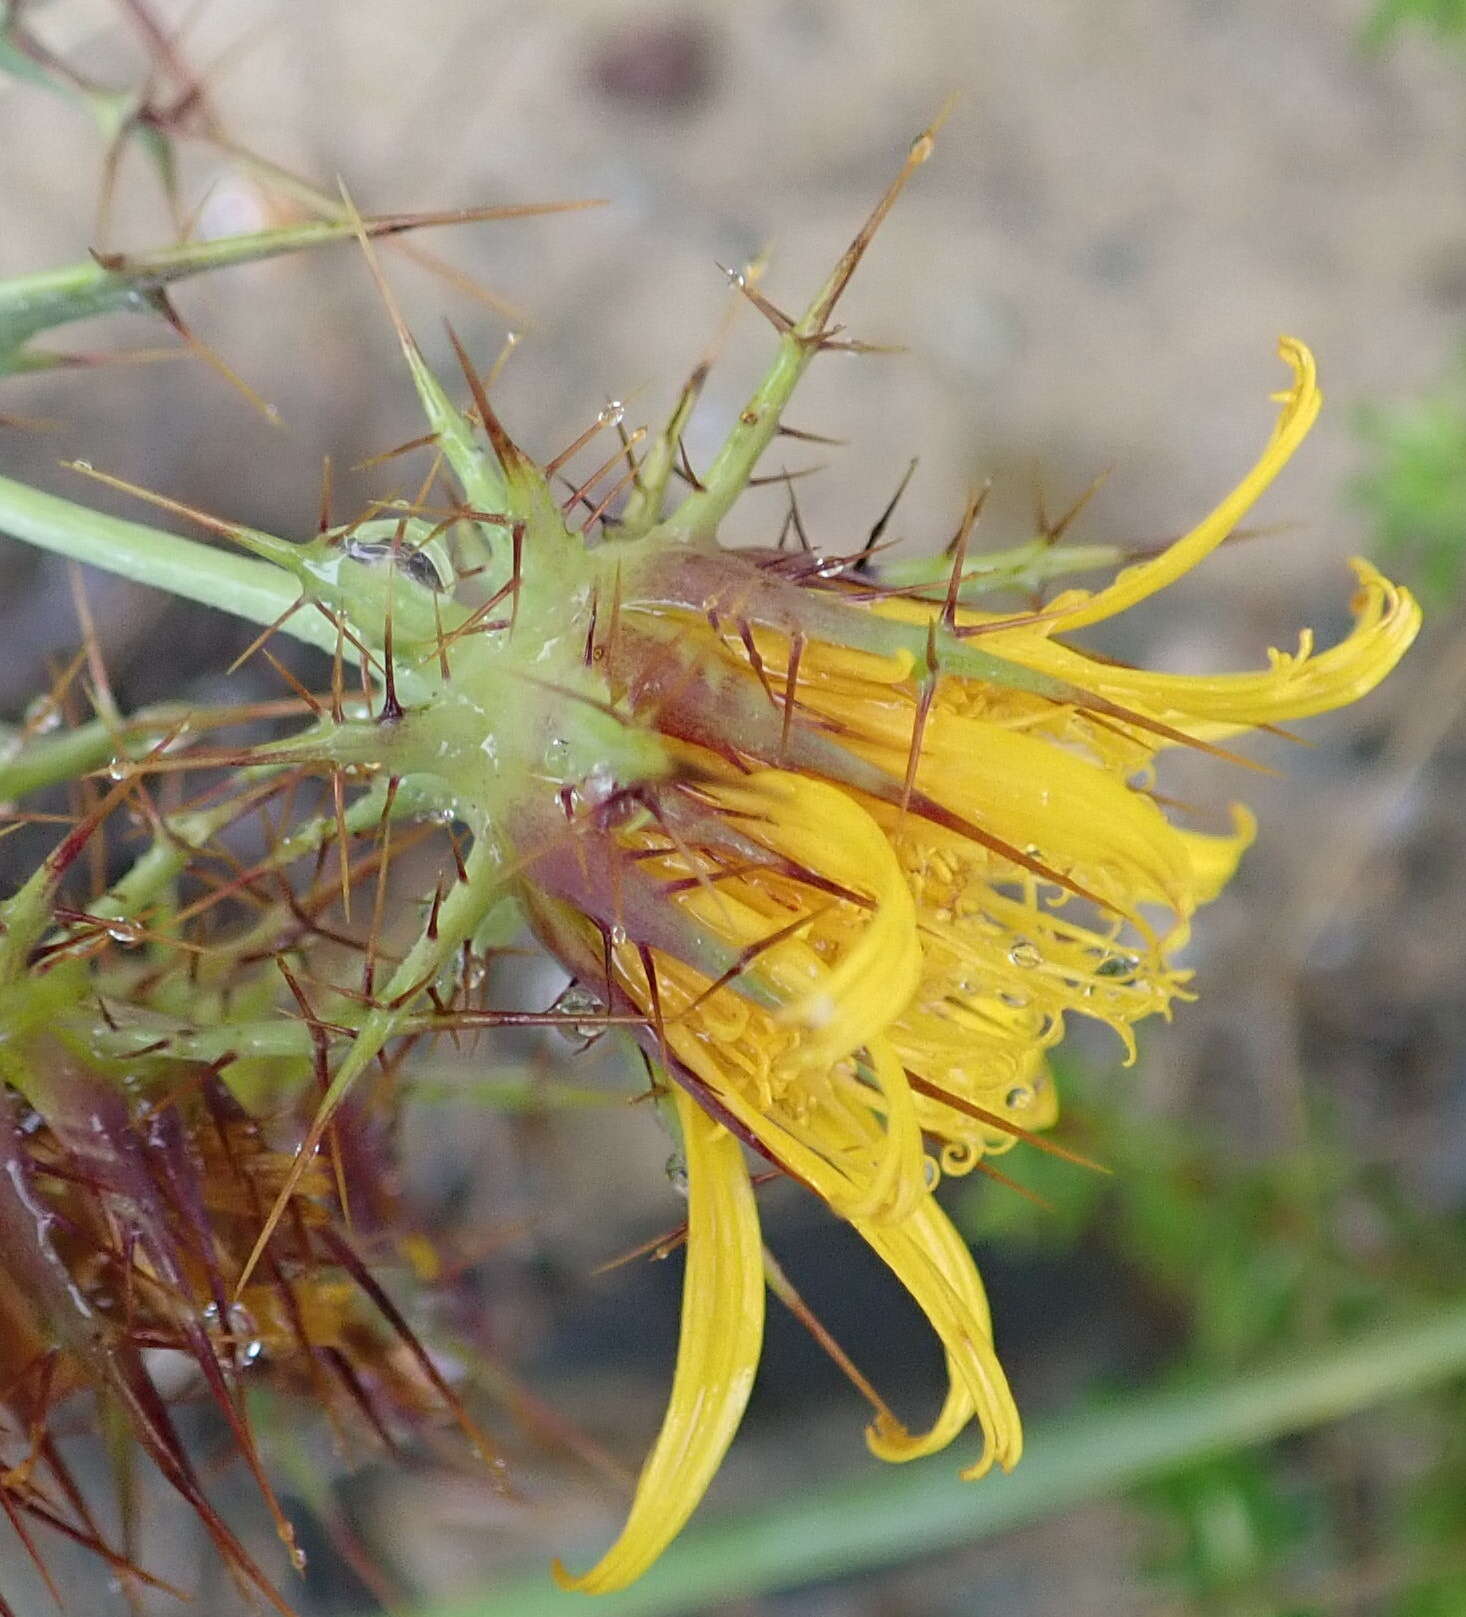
(901, 843)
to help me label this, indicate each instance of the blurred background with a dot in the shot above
(1128, 205)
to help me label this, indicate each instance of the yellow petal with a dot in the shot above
(1295, 685)
(899, 1181)
(826, 831)
(722, 1331)
(1300, 409)
(1214, 859)
(932, 1261)
(858, 1147)
(1082, 819)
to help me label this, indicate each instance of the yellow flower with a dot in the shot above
(869, 899)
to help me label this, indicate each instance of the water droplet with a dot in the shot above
(82, 465)
(1117, 965)
(618, 935)
(238, 1333)
(409, 547)
(118, 769)
(613, 413)
(1018, 1099)
(738, 278)
(578, 1000)
(42, 716)
(677, 1174)
(1024, 955)
(1015, 1002)
(124, 933)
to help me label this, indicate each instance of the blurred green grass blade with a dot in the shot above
(1414, 486)
(505, 1088)
(1445, 19)
(897, 1514)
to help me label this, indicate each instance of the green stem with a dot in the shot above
(701, 512)
(34, 303)
(50, 760)
(1024, 566)
(899, 1514)
(249, 589)
(30, 304)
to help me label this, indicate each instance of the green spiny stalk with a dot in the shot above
(137, 283)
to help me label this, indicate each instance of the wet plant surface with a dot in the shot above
(1285, 1162)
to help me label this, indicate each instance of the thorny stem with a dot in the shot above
(246, 588)
(478, 473)
(30, 304)
(1022, 567)
(700, 513)
(49, 760)
(185, 834)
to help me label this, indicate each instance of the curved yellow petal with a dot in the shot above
(717, 1356)
(1214, 859)
(932, 1261)
(828, 832)
(858, 1165)
(1082, 819)
(1294, 685)
(1300, 410)
(899, 1181)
